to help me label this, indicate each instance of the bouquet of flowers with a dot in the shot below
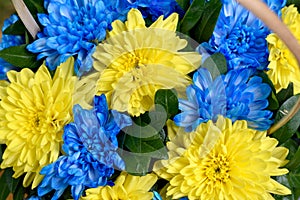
(142, 100)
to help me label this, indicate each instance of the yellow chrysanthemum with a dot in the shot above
(223, 161)
(33, 111)
(283, 65)
(136, 61)
(127, 187)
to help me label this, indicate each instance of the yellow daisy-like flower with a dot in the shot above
(136, 61)
(223, 161)
(127, 187)
(283, 65)
(33, 111)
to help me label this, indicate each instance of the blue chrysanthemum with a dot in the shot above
(236, 95)
(240, 36)
(156, 196)
(8, 41)
(90, 145)
(34, 198)
(149, 8)
(71, 28)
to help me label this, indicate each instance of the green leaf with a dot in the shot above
(11, 182)
(35, 6)
(144, 145)
(136, 164)
(142, 120)
(295, 2)
(168, 100)
(184, 4)
(294, 163)
(4, 191)
(19, 56)
(216, 64)
(289, 129)
(158, 117)
(294, 180)
(296, 193)
(273, 102)
(192, 16)
(284, 94)
(205, 26)
(19, 193)
(147, 125)
(2, 147)
(141, 153)
(292, 145)
(16, 28)
(298, 134)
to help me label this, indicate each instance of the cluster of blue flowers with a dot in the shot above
(238, 95)
(90, 145)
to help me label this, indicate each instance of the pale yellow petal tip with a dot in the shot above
(170, 23)
(135, 20)
(279, 189)
(173, 129)
(67, 67)
(126, 187)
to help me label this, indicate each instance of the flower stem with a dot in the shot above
(262, 11)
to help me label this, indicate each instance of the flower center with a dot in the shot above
(217, 168)
(135, 64)
(134, 61)
(34, 120)
(240, 39)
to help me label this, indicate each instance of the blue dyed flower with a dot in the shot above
(149, 8)
(71, 28)
(90, 145)
(34, 198)
(158, 197)
(236, 95)
(8, 41)
(240, 36)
